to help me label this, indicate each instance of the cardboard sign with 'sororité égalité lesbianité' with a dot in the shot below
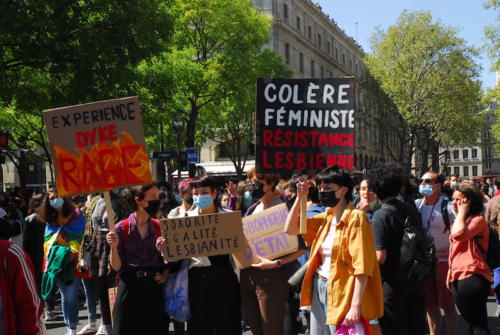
(203, 235)
(97, 146)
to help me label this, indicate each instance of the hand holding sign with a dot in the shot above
(266, 264)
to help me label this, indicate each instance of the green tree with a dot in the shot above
(232, 120)
(431, 76)
(56, 53)
(213, 39)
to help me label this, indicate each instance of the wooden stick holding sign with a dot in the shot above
(109, 211)
(303, 210)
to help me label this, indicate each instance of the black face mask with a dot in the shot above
(189, 201)
(256, 190)
(153, 207)
(328, 199)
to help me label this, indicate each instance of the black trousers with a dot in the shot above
(214, 300)
(139, 307)
(101, 285)
(471, 296)
(404, 309)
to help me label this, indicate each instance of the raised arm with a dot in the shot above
(292, 223)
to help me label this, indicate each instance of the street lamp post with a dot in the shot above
(178, 124)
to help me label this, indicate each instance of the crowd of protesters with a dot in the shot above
(348, 259)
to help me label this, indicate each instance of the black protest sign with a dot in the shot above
(204, 235)
(304, 125)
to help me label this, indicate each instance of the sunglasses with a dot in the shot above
(427, 181)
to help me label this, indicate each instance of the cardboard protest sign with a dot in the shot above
(204, 235)
(265, 236)
(97, 146)
(304, 125)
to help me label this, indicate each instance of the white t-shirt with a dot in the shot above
(434, 223)
(326, 250)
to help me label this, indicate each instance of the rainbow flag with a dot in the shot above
(68, 235)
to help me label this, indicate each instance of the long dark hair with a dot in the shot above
(475, 197)
(46, 213)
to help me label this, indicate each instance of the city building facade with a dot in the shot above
(314, 46)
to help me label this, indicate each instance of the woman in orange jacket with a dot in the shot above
(342, 283)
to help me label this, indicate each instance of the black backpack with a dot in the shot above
(493, 254)
(417, 259)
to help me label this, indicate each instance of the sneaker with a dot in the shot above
(50, 316)
(88, 330)
(104, 330)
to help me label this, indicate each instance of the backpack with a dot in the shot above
(417, 259)
(126, 229)
(492, 256)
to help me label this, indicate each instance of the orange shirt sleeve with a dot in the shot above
(362, 245)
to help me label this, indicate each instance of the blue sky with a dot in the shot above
(469, 16)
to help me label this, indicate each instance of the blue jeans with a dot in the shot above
(90, 295)
(496, 284)
(69, 301)
(319, 309)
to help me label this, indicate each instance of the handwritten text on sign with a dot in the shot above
(204, 235)
(265, 236)
(305, 124)
(97, 146)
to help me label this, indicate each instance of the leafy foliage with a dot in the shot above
(431, 76)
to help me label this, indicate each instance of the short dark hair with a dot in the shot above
(385, 180)
(497, 182)
(336, 175)
(475, 197)
(140, 193)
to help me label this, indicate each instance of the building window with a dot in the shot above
(488, 152)
(343, 59)
(322, 72)
(287, 53)
(448, 171)
(350, 64)
(301, 62)
(328, 47)
(226, 150)
(356, 65)
(447, 155)
(331, 74)
(285, 11)
(456, 170)
(474, 171)
(309, 32)
(312, 69)
(474, 153)
(488, 166)
(319, 40)
(466, 171)
(456, 154)
(487, 135)
(298, 23)
(336, 54)
(465, 153)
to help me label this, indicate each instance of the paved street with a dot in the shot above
(57, 327)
